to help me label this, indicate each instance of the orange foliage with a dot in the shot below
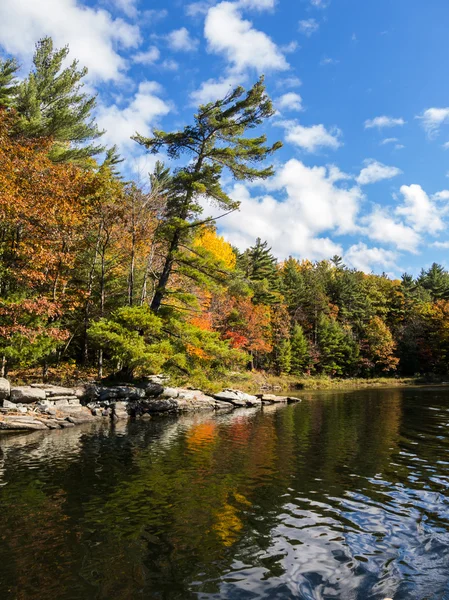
(216, 245)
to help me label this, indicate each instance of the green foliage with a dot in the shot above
(260, 268)
(436, 281)
(338, 350)
(282, 357)
(8, 81)
(213, 143)
(51, 103)
(300, 352)
(133, 338)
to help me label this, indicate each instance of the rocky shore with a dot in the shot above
(44, 406)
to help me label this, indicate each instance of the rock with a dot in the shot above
(219, 405)
(66, 424)
(79, 420)
(168, 392)
(54, 390)
(121, 391)
(160, 405)
(5, 389)
(145, 416)
(9, 404)
(194, 400)
(74, 402)
(45, 403)
(26, 394)
(237, 398)
(153, 389)
(161, 379)
(291, 399)
(61, 403)
(272, 399)
(21, 426)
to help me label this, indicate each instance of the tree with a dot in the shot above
(300, 352)
(436, 280)
(8, 82)
(216, 141)
(260, 267)
(381, 346)
(338, 351)
(51, 104)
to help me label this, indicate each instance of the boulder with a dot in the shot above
(121, 391)
(194, 400)
(160, 405)
(9, 404)
(5, 389)
(168, 392)
(26, 394)
(54, 390)
(153, 389)
(17, 425)
(237, 398)
(219, 405)
(61, 403)
(273, 399)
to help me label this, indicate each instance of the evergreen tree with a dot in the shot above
(436, 280)
(282, 357)
(51, 103)
(216, 141)
(300, 353)
(338, 351)
(8, 82)
(260, 267)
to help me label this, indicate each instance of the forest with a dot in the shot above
(103, 275)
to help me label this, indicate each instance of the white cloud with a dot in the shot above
(442, 245)
(319, 3)
(446, 145)
(360, 257)
(328, 61)
(433, 118)
(149, 57)
(258, 4)
(384, 121)
(375, 171)
(180, 40)
(389, 141)
(309, 208)
(419, 211)
(92, 34)
(383, 228)
(127, 6)
(443, 195)
(308, 26)
(311, 138)
(229, 34)
(213, 89)
(121, 123)
(289, 82)
(289, 101)
(336, 175)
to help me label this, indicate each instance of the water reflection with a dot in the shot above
(341, 496)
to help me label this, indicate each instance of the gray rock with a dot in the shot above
(169, 392)
(153, 389)
(121, 391)
(161, 405)
(5, 389)
(79, 420)
(161, 379)
(66, 424)
(26, 394)
(54, 390)
(21, 426)
(61, 403)
(219, 405)
(237, 398)
(9, 404)
(292, 399)
(74, 402)
(273, 399)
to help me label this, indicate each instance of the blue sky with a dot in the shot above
(362, 96)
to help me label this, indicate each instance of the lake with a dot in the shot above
(342, 496)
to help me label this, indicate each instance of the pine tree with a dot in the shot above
(51, 103)
(300, 353)
(215, 141)
(260, 267)
(338, 351)
(283, 357)
(8, 82)
(436, 280)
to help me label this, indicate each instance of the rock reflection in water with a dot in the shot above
(341, 496)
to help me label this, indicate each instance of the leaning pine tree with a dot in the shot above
(216, 142)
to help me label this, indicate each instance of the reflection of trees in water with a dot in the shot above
(158, 506)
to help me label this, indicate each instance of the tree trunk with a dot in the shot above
(165, 275)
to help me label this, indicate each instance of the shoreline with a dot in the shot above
(46, 406)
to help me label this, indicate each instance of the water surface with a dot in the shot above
(343, 496)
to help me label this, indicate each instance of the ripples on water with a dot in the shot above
(343, 496)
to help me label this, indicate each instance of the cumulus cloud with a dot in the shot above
(180, 40)
(360, 257)
(258, 4)
(121, 122)
(245, 47)
(380, 226)
(309, 207)
(308, 26)
(384, 121)
(375, 171)
(419, 211)
(213, 89)
(311, 138)
(92, 34)
(433, 118)
(289, 101)
(149, 57)
(127, 6)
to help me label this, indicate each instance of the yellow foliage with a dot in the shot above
(216, 245)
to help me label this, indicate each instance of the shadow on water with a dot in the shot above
(342, 496)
